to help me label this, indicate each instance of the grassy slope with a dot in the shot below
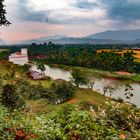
(81, 96)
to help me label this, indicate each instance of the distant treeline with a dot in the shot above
(83, 55)
(17, 47)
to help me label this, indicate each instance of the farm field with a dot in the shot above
(136, 51)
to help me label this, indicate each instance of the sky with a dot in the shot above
(77, 18)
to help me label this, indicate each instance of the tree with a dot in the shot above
(61, 91)
(79, 77)
(23, 88)
(11, 99)
(110, 87)
(3, 20)
(41, 67)
(91, 79)
(129, 63)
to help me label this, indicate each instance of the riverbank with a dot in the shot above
(125, 76)
(101, 79)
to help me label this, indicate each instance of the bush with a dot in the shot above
(37, 91)
(113, 121)
(30, 91)
(87, 105)
(120, 100)
(11, 99)
(61, 91)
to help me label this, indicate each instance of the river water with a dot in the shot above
(57, 73)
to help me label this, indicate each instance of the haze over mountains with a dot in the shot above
(2, 42)
(106, 37)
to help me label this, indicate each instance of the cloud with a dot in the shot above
(26, 13)
(123, 10)
(86, 4)
(74, 11)
(71, 17)
(58, 12)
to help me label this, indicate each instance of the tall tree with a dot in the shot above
(129, 63)
(3, 20)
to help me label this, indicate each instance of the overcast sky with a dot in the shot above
(39, 18)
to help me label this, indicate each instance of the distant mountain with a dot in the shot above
(117, 35)
(2, 42)
(62, 39)
(42, 39)
(83, 41)
(107, 37)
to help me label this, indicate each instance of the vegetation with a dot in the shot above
(67, 121)
(3, 20)
(28, 110)
(41, 67)
(79, 77)
(11, 99)
(87, 117)
(84, 56)
(112, 121)
(61, 91)
(4, 55)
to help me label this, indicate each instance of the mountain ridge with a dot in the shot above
(126, 35)
(106, 37)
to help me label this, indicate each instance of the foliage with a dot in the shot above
(4, 55)
(11, 99)
(114, 121)
(129, 61)
(41, 67)
(60, 91)
(85, 56)
(30, 91)
(79, 77)
(3, 20)
(37, 92)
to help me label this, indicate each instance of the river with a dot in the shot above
(57, 73)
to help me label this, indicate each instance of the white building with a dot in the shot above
(19, 58)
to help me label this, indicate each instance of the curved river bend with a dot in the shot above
(57, 73)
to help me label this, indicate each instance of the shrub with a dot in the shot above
(113, 121)
(61, 91)
(37, 91)
(30, 91)
(11, 99)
